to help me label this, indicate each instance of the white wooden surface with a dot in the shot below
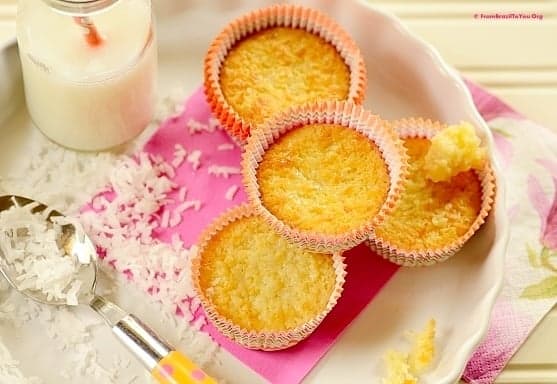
(515, 59)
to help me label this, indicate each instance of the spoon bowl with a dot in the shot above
(73, 241)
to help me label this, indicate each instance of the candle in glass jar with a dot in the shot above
(85, 95)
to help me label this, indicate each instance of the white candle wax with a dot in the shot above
(84, 96)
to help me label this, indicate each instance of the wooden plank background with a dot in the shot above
(515, 59)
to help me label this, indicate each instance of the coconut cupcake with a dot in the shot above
(324, 175)
(275, 58)
(257, 288)
(448, 194)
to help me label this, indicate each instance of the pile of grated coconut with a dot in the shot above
(123, 229)
(34, 255)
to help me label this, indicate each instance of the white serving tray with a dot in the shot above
(407, 77)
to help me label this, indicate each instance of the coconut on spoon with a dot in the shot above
(49, 258)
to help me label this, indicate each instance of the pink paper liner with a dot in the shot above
(285, 15)
(345, 114)
(263, 340)
(420, 128)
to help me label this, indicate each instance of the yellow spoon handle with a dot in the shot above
(176, 368)
(166, 365)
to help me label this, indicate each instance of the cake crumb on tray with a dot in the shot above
(405, 368)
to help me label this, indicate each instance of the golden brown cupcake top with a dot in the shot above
(259, 281)
(281, 67)
(325, 179)
(431, 215)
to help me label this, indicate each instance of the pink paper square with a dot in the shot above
(367, 272)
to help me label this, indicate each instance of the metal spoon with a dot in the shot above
(166, 365)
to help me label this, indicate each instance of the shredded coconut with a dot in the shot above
(32, 250)
(165, 219)
(182, 193)
(170, 107)
(175, 220)
(231, 192)
(195, 126)
(67, 332)
(223, 171)
(10, 372)
(66, 180)
(214, 124)
(194, 159)
(59, 177)
(195, 204)
(225, 147)
(180, 154)
(125, 233)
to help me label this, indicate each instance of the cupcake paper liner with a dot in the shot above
(283, 15)
(263, 340)
(345, 114)
(420, 128)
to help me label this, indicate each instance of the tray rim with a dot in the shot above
(499, 247)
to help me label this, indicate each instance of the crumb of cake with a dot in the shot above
(325, 179)
(431, 215)
(423, 348)
(405, 368)
(261, 282)
(455, 149)
(398, 369)
(280, 67)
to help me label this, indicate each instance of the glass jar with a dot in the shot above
(89, 69)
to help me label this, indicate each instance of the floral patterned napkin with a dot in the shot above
(528, 156)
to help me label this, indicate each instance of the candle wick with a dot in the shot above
(92, 35)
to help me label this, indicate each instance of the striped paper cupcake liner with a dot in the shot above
(285, 15)
(345, 114)
(263, 340)
(421, 128)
